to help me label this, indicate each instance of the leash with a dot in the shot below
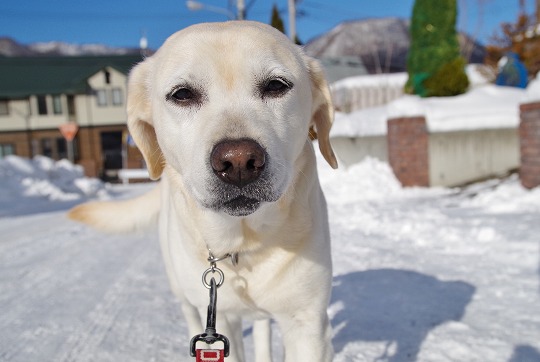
(210, 335)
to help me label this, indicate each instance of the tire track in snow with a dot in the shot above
(84, 342)
(53, 283)
(29, 283)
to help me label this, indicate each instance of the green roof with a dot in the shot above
(24, 76)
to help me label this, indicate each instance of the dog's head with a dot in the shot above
(228, 107)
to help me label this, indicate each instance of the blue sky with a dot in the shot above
(121, 22)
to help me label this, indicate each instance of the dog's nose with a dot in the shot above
(238, 162)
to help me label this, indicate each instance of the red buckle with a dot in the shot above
(209, 355)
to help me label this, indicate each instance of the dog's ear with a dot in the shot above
(140, 123)
(322, 114)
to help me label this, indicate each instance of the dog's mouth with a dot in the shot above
(241, 206)
(241, 177)
(241, 202)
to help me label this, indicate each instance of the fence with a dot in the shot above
(352, 94)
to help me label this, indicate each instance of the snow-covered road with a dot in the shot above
(420, 275)
(68, 294)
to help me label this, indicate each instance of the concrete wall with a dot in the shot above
(351, 150)
(421, 158)
(456, 158)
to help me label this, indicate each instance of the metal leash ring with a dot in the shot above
(213, 270)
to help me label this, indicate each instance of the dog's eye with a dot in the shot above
(276, 87)
(182, 95)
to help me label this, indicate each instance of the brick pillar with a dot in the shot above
(529, 140)
(408, 142)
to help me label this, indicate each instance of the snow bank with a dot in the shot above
(533, 90)
(476, 78)
(374, 80)
(484, 106)
(362, 123)
(372, 179)
(505, 197)
(44, 179)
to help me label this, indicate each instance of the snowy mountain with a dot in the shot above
(11, 48)
(381, 43)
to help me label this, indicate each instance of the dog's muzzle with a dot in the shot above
(242, 177)
(238, 162)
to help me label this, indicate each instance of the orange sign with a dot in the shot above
(69, 130)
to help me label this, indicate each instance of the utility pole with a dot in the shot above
(143, 44)
(292, 20)
(241, 8)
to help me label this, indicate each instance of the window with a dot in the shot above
(117, 98)
(61, 149)
(6, 149)
(47, 147)
(56, 148)
(71, 104)
(57, 104)
(107, 77)
(42, 105)
(101, 97)
(4, 107)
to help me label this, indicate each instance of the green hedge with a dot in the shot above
(434, 63)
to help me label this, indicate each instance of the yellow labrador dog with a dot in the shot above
(222, 114)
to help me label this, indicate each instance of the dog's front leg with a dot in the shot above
(231, 327)
(262, 339)
(193, 318)
(307, 337)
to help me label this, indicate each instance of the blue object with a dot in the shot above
(513, 73)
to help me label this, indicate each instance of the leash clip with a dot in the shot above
(210, 336)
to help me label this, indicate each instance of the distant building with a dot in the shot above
(38, 94)
(381, 44)
(342, 67)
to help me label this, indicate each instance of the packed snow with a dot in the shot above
(419, 274)
(43, 182)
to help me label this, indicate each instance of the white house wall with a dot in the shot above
(24, 115)
(110, 114)
(18, 116)
(50, 120)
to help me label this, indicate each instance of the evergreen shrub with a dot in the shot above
(434, 63)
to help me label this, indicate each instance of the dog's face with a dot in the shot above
(228, 107)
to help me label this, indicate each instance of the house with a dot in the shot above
(39, 94)
(342, 67)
